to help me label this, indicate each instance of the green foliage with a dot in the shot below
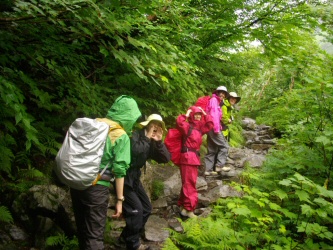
(157, 189)
(5, 215)
(236, 137)
(61, 241)
(62, 59)
(265, 219)
(108, 227)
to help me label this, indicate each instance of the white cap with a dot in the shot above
(222, 88)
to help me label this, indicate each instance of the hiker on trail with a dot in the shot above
(227, 108)
(192, 125)
(217, 146)
(146, 144)
(90, 205)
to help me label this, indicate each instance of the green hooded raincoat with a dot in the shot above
(123, 112)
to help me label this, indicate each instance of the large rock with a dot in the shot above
(156, 229)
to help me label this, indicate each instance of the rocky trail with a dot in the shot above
(46, 209)
(166, 213)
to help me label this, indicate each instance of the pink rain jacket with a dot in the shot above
(214, 110)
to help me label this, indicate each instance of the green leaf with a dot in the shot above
(241, 211)
(104, 51)
(307, 210)
(274, 206)
(164, 79)
(323, 139)
(136, 43)
(285, 182)
(120, 41)
(302, 195)
(321, 213)
(280, 193)
(282, 229)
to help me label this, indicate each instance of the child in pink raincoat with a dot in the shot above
(192, 126)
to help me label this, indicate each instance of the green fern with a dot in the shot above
(6, 154)
(5, 215)
(62, 242)
(236, 137)
(26, 179)
(169, 245)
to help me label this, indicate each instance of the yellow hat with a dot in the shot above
(153, 117)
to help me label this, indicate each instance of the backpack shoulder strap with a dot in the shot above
(115, 127)
(187, 135)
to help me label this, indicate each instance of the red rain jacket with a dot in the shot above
(194, 140)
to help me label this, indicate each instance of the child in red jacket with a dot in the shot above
(192, 126)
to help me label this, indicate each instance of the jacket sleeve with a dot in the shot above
(144, 149)
(207, 124)
(140, 149)
(215, 113)
(226, 115)
(159, 152)
(182, 124)
(120, 152)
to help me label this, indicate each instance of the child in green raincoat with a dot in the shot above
(227, 107)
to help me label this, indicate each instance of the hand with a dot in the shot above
(119, 210)
(188, 112)
(155, 133)
(203, 112)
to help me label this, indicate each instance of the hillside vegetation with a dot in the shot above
(62, 59)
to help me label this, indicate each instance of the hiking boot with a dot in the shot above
(226, 169)
(183, 212)
(189, 214)
(210, 173)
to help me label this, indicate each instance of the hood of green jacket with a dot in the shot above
(125, 111)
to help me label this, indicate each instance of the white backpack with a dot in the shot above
(79, 158)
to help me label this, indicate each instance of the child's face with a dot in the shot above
(232, 100)
(155, 126)
(221, 94)
(197, 116)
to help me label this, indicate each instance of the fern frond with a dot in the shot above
(6, 154)
(61, 241)
(30, 174)
(55, 240)
(5, 215)
(169, 245)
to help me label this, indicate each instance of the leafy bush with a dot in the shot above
(235, 131)
(265, 219)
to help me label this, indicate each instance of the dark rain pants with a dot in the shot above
(136, 210)
(217, 150)
(90, 211)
